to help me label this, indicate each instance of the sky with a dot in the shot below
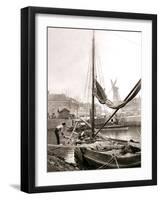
(117, 56)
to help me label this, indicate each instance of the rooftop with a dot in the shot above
(60, 97)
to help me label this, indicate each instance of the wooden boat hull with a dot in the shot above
(104, 160)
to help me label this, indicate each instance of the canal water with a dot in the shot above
(127, 133)
(130, 133)
(69, 155)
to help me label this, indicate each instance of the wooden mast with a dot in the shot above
(93, 86)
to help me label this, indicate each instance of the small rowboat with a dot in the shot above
(94, 159)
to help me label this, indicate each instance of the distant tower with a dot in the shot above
(115, 89)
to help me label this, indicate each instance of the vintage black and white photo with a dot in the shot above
(94, 99)
(88, 99)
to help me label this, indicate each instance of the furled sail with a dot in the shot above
(102, 97)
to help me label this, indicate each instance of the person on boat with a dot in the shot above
(82, 135)
(60, 129)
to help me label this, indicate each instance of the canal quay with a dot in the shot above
(117, 145)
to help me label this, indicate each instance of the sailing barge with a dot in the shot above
(93, 150)
(111, 156)
(115, 154)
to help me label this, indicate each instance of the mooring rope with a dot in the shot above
(105, 165)
(116, 161)
(113, 157)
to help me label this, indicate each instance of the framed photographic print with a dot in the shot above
(88, 99)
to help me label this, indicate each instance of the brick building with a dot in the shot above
(58, 102)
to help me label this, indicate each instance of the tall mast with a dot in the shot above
(93, 85)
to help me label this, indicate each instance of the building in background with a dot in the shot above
(60, 104)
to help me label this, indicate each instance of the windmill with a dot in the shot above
(115, 89)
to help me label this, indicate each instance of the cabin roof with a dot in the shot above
(64, 109)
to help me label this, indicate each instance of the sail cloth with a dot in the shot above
(102, 97)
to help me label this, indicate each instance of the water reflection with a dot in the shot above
(131, 133)
(69, 156)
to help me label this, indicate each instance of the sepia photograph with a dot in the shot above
(89, 99)
(94, 99)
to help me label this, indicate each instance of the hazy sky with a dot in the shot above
(118, 54)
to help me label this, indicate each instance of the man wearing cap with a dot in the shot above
(60, 129)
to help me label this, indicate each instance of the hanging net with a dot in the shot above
(102, 97)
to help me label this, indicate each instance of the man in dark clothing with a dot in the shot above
(60, 130)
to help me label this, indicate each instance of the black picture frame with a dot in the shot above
(28, 98)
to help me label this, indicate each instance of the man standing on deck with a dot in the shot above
(60, 129)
